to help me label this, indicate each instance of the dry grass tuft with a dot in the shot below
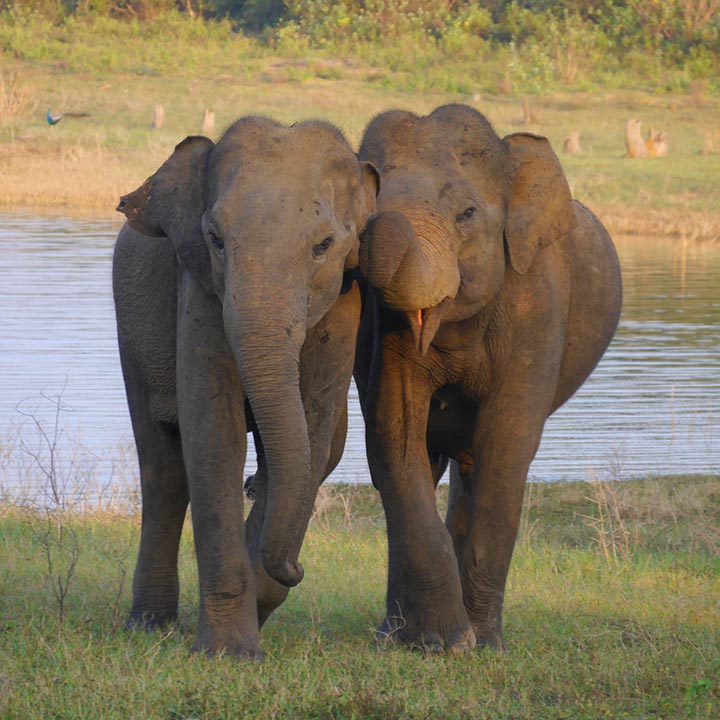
(73, 176)
(677, 223)
(16, 100)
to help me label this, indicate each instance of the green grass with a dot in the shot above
(118, 71)
(626, 628)
(90, 162)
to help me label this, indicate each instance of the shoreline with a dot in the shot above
(637, 222)
(84, 182)
(126, 502)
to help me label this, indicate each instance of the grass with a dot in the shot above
(87, 163)
(589, 635)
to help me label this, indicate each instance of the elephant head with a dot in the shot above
(267, 219)
(457, 206)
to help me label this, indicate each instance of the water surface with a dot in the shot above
(650, 408)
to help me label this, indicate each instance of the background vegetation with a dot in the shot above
(530, 46)
(611, 612)
(584, 67)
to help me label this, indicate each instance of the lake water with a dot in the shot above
(652, 407)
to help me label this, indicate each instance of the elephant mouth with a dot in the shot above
(425, 323)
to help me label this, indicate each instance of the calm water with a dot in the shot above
(651, 407)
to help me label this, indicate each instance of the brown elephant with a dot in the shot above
(492, 296)
(235, 312)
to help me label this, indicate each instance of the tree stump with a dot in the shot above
(208, 123)
(572, 144)
(159, 118)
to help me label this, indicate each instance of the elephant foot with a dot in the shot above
(148, 620)
(238, 651)
(219, 640)
(250, 488)
(453, 641)
(489, 636)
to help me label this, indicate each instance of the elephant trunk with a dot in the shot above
(409, 272)
(267, 343)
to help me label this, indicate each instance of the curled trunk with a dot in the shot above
(409, 272)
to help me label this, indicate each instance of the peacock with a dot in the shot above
(55, 119)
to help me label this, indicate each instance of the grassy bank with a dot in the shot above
(612, 612)
(87, 163)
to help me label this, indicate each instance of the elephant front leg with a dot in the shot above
(212, 426)
(489, 516)
(424, 599)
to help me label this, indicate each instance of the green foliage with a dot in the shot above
(532, 46)
(254, 15)
(326, 22)
(703, 695)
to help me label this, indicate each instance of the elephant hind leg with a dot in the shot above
(457, 516)
(164, 503)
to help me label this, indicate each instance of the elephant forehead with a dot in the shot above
(324, 176)
(263, 147)
(437, 183)
(274, 204)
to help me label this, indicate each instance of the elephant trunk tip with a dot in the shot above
(287, 572)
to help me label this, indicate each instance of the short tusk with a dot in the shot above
(420, 318)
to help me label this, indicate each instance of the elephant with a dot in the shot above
(491, 296)
(237, 311)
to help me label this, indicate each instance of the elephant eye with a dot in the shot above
(322, 247)
(218, 242)
(466, 214)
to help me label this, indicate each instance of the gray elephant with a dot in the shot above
(235, 312)
(492, 296)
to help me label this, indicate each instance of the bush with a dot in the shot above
(665, 44)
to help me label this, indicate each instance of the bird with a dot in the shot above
(55, 119)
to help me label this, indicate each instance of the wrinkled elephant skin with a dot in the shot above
(237, 312)
(491, 297)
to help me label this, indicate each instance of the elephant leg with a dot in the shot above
(424, 598)
(337, 446)
(212, 425)
(144, 283)
(270, 593)
(457, 516)
(506, 439)
(164, 503)
(326, 363)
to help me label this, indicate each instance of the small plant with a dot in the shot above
(702, 696)
(50, 522)
(15, 100)
(323, 501)
(574, 46)
(612, 534)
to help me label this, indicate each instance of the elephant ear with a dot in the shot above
(171, 203)
(365, 206)
(539, 203)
